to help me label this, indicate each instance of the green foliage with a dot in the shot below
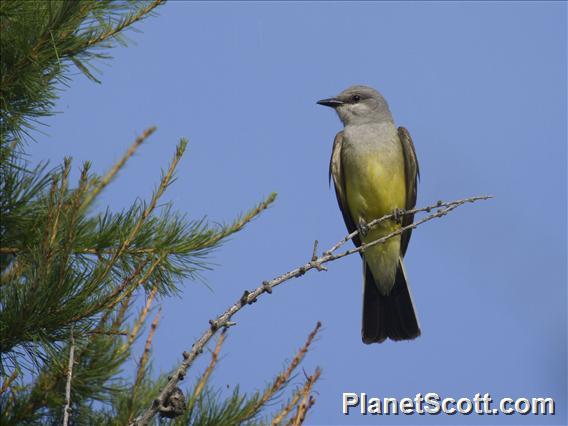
(71, 278)
(211, 408)
(41, 39)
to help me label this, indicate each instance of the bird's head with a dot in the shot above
(359, 105)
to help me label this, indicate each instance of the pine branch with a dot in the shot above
(197, 238)
(41, 39)
(81, 285)
(317, 263)
(102, 323)
(121, 26)
(166, 180)
(118, 293)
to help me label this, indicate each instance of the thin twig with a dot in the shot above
(117, 321)
(301, 393)
(109, 332)
(266, 287)
(8, 382)
(143, 361)
(283, 377)
(305, 407)
(119, 164)
(147, 347)
(121, 312)
(67, 408)
(142, 316)
(43, 268)
(116, 296)
(207, 373)
(50, 206)
(140, 282)
(307, 400)
(60, 200)
(287, 409)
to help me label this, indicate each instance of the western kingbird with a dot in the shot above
(375, 172)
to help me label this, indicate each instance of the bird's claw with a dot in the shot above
(398, 214)
(363, 228)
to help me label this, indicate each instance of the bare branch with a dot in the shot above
(67, 407)
(250, 297)
(427, 209)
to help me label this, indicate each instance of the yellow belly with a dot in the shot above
(375, 188)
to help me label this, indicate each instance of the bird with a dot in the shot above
(375, 172)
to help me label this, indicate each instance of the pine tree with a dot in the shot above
(70, 276)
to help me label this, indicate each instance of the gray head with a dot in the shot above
(359, 105)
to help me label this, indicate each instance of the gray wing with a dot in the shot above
(412, 173)
(336, 173)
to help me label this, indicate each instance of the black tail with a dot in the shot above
(389, 316)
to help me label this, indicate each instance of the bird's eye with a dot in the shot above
(355, 98)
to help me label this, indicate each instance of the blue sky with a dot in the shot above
(482, 89)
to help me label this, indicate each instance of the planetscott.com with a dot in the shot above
(432, 403)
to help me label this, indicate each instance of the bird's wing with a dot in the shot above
(412, 173)
(336, 173)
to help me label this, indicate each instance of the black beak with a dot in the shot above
(331, 102)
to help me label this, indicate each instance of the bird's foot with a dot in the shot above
(398, 215)
(363, 228)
